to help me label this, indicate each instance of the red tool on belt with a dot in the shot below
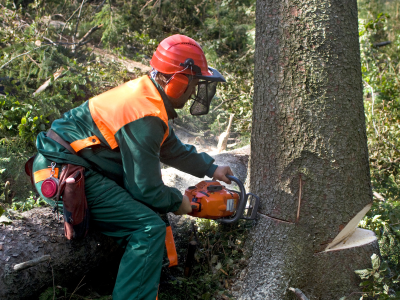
(211, 200)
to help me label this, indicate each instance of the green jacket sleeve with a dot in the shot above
(185, 157)
(139, 143)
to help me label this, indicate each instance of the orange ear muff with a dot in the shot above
(176, 86)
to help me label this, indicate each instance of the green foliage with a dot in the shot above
(27, 204)
(15, 189)
(50, 292)
(379, 282)
(81, 75)
(219, 258)
(381, 78)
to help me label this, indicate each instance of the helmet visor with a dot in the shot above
(202, 99)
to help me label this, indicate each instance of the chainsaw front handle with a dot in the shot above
(242, 202)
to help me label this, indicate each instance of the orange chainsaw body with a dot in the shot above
(211, 200)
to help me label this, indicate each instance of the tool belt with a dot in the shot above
(70, 188)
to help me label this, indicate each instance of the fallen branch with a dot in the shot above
(381, 44)
(82, 41)
(50, 41)
(66, 22)
(147, 3)
(21, 55)
(298, 293)
(34, 61)
(31, 263)
(219, 105)
(99, 7)
(77, 21)
(56, 75)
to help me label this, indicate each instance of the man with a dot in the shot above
(120, 137)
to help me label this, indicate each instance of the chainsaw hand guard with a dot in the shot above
(211, 200)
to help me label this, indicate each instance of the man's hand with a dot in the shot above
(185, 207)
(220, 173)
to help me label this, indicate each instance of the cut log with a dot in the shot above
(39, 236)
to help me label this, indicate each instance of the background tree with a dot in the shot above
(309, 159)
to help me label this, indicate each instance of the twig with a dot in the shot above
(298, 293)
(77, 21)
(218, 106)
(224, 272)
(300, 192)
(31, 263)
(99, 7)
(59, 15)
(147, 3)
(21, 55)
(82, 40)
(381, 44)
(33, 61)
(50, 41)
(77, 287)
(154, 6)
(66, 22)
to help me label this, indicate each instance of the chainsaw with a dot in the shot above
(211, 200)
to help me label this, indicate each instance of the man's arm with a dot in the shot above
(139, 143)
(185, 158)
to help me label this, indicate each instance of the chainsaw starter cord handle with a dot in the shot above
(242, 202)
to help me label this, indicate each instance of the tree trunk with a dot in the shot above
(309, 161)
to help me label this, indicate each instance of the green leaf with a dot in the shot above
(376, 262)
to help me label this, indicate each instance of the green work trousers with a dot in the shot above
(134, 225)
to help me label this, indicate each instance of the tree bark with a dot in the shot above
(38, 238)
(309, 162)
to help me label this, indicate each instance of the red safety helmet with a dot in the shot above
(172, 53)
(178, 55)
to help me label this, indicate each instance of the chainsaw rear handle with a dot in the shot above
(242, 202)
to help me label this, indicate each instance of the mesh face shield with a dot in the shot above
(202, 99)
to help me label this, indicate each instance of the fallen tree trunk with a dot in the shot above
(39, 236)
(34, 253)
